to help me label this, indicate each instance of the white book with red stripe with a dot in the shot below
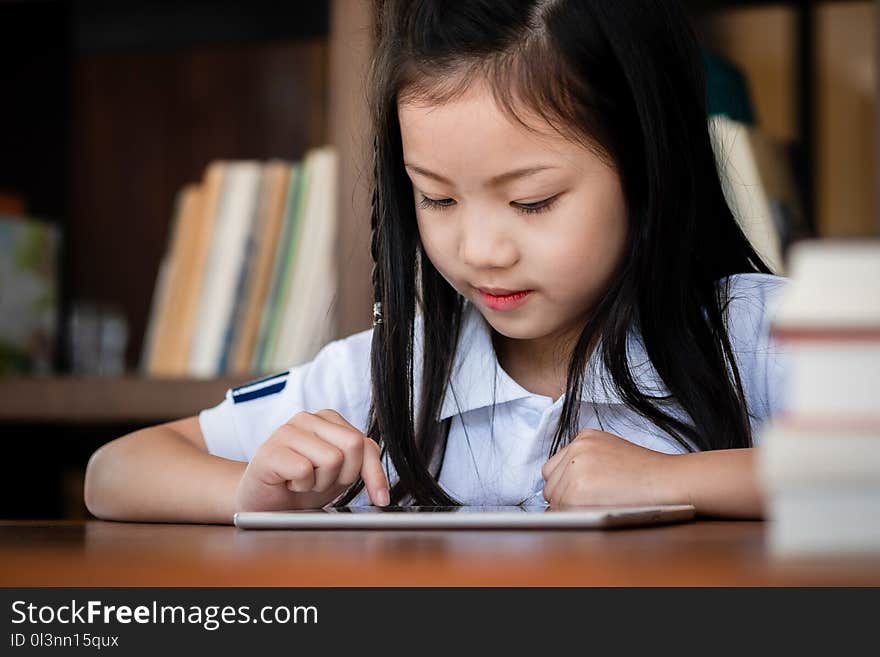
(829, 325)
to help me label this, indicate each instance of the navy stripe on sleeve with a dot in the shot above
(264, 387)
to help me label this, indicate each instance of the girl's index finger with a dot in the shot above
(373, 474)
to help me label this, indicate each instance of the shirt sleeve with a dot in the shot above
(763, 363)
(337, 378)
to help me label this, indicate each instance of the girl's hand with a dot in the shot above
(308, 462)
(599, 468)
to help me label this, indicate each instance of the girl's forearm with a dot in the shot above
(718, 482)
(156, 475)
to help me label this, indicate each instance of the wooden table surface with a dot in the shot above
(100, 553)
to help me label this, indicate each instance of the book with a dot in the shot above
(226, 256)
(194, 256)
(743, 188)
(158, 306)
(835, 284)
(308, 318)
(256, 275)
(159, 337)
(803, 454)
(833, 376)
(776, 170)
(825, 519)
(285, 254)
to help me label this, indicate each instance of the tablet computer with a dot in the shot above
(464, 517)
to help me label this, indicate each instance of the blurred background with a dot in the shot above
(161, 164)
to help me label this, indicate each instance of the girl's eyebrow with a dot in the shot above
(496, 181)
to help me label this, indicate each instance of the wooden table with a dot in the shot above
(99, 553)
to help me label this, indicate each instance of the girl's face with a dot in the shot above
(499, 206)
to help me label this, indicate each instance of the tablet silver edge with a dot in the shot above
(587, 518)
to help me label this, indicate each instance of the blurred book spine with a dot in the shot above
(226, 257)
(819, 462)
(248, 279)
(757, 171)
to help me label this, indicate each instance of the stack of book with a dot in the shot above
(819, 462)
(248, 281)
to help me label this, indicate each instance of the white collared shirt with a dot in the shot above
(498, 462)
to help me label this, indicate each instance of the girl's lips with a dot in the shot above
(505, 302)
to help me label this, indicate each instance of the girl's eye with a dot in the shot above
(525, 208)
(435, 204)
(538, 206)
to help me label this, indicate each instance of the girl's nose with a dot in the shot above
(484, 245)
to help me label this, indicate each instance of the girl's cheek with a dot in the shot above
(572, 264)
(437, 251)
(439, 240)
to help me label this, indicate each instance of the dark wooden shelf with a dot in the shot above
(107, 400)
(103, 25)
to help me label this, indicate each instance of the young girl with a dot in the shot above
(566, 310)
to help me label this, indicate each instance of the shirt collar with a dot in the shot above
(475, 362)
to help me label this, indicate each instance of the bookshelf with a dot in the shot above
(126, 102)
(144, 95)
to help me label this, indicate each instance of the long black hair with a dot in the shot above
(626, 76)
